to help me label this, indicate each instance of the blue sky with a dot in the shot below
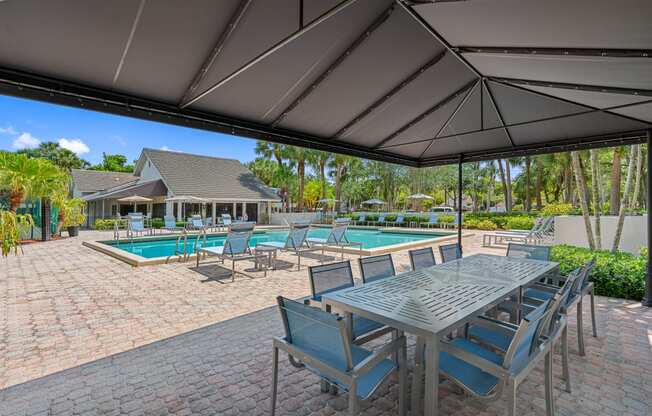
(88, 133)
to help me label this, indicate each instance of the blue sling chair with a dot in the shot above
(235, 248)
(362, 218)
(433, 220)
(136, 226)
(317, 341)
(295, 241)
(422, 258)
(376, 267)
(336, 237)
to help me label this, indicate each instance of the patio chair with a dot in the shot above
(318, 340)
(485, 372)
(295, 241)
(528, 251)
(236, 247)
(362, 218)
(337, 237)
(376, 267)
(381, 219)
(581, 286)
(535, 236)
(136, 226)
(433, 220)
(422, 258)
(450, 252)
(328, 278)
(399, 221)
(170, 224)
(226, 220)
(196, 223)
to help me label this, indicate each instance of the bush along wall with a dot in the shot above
(618, 275)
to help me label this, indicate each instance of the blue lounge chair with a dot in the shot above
(235, 248)
(317, 341)
(170, 224)
(376, 267)
(399, 221)
(433, 220)
(295, 241)
(136, 226)
(196, 223)
(422, 258)
(337, 238)
(362, 218)
(381, 220)
(450, 252)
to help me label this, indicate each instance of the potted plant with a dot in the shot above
(73, 215)
(11, 225)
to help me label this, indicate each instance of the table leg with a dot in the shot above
(431, 397)
(417, 376)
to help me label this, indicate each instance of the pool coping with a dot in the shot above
(138, 261)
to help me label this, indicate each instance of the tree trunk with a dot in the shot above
(623, 202)
(633, 203)
(338, 188)
(539, 181)
(15, 198)
(528, 162)
(597, 207)
(508, 181)
(501, 173)
(583, 193)
(301, 168)
(568, 185)
(46, 232)
(322, 172)
(614, 200)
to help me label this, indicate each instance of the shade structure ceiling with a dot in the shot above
(418, 83)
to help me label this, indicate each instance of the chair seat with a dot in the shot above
(478, 381)
(538, 294)
(490, 336)
(213, 250)
(317, 240)
(275, 244)
(367, 382)
(362, 326)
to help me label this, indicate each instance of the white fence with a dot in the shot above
(283, 218)
(570, 230)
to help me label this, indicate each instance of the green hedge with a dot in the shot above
(109, 224)
(618, 275)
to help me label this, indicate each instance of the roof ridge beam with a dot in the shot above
(235, 20)
(451, 117)
(579, 87)
(596, 52)
(497, 110)
(392, 92)
(338, 61)
(269, 51)
(425, 114)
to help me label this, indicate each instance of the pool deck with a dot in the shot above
(105, 246)
(82, 333)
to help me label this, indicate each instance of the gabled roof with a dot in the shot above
(150, 188)
(97, 180)
(206, 176)
(418, 82)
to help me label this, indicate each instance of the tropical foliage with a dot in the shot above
(11, 225)
(63, 158)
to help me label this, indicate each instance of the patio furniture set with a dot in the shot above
(542, 231)
(453, 309)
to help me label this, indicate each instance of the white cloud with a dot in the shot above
(8, 130)
(167, 149)
(25, 141)
(74, 145)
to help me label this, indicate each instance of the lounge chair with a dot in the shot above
(537, 235)
(455, 223)
(170, 224)
(399, 221)
(422, 258)
(380, 220)
(316, 341)
(136, 226)
(362, 219)
(433, 220)
(337, 238)
(450, 252)
(295, 241)
(235, 248)
(376, 267)
(196, 223)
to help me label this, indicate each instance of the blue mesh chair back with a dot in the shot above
(170, 221)
(381, 217)
(226, 219)
(399, 218)
(316, 332)
(422, 258)
(450, 252)
(376, 267)
(527, 338)
(582, 279)
(137, 223)
(297, 236)
(361, 217)
(337, 234)
(528, 251)
(237, 242)
(197, 222)
(328, 278)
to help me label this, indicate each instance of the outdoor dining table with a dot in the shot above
(432, 302)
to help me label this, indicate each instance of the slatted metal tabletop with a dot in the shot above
(431, 302)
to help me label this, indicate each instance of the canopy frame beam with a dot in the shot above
(571, 86)
(597, 52)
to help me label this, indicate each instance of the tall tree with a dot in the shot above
(299, 155)
(595, 190)
(633, 203)
(539, 181)
(113, 163)
(339, 164)
(271, 150)
(318, 160)
(63, 158)
(583, 193)
(507, 189)
(528, 200)
(614, 200)
(623, 202)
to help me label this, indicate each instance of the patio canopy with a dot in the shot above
(418, 83)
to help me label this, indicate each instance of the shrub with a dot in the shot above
(108, 224)
(486, 225)
(447, 219)
(619, 275)
(520, 223)
(557, 209)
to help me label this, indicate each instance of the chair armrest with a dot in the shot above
(481, 363)
(506, 328)
(544, 287)
(524, 307)
(379, 355)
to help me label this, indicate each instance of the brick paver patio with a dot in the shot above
(84, 334)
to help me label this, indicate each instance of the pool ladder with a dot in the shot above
(181, 245)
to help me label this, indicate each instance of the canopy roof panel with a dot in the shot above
(418, 83)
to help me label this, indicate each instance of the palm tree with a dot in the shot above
(300, 155)
(583, 193)
(24, 178)
(623, 202)
(269, 150)
(539, 181)
(614, 200)
(339, 164)
(318, 160)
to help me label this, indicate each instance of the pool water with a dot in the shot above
(369, 239)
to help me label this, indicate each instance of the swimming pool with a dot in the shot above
(372, 240)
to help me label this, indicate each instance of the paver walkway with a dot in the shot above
(87, 334)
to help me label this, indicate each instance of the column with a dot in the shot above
(179, 215)
(269, 212)
(244, 210)
(169, 208)
(235, 211)
(214, 212)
